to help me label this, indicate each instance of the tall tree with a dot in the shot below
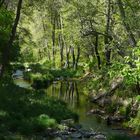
(1, 2)
(6, 53)
(106, 39)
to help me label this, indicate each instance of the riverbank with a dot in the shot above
(73, 94)
(28, 112)
(67, 89)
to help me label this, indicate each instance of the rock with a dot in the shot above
(77, 126)
(114, 119)
(58, 138)
(104, 101)
(56, 133)
(100, 137)
(65, 133)
(88, 134)
(18, 74)
(96, 111)
(114, 83)
(67, 122)
(76, 135)
(72, 129)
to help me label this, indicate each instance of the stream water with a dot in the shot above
(72, 93)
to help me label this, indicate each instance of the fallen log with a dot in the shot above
(115, 84)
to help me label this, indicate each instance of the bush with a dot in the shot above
(45, 121)
(134, 123)
(63, 73)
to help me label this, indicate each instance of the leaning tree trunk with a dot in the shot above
(6, 53)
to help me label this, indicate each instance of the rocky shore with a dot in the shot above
(75, 132)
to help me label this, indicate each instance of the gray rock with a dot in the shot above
(87, 133)
(76, 135)
(67, 122)
(77, 126)
(96, 111)
(99, 137)
(57, 138)
(64, 137)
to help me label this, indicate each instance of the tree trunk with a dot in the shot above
(46, 49)
(67, 64)
(126, 25)
(53, 40)
(61, 41)
(6, 54)
(73, 57)
(77, 58)
(97, 53)
(61, 51)
(2, 2)
(106, 39)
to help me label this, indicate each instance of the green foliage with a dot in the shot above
(129, 69)
(134, 123)
(29, 112)
(65, 73)
(45, 121)
(111, 108)
(125, 110)
(6, 18)
(42, 77)
(119, 137)
(135, 120)
(122, 110)
(6, 22)
(138, 98)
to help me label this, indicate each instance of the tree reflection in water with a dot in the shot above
(66, 91)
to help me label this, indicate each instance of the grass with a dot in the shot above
(28, 112)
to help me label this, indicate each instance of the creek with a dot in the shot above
(72, 93)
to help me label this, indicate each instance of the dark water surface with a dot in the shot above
(72, 93)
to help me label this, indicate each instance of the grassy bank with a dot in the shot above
(29, 112)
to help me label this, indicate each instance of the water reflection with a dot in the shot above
(22, 83)
(71, 92)
(66, 91)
